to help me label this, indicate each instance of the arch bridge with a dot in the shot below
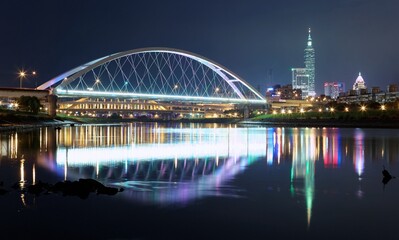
(153, 80)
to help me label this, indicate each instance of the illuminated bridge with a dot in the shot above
(156, 81)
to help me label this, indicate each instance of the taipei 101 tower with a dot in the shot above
(310, 66)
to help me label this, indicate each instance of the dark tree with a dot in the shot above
(29, 104)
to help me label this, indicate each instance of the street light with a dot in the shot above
(22, 75)
(34, 76)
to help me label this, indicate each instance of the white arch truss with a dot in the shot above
(155, 73)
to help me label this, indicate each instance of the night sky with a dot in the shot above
(252, 38)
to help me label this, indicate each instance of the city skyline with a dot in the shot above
(253, 39)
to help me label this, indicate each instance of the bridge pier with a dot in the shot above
(52, 102)
(246, 112)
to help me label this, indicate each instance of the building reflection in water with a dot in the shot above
(175, 164)
(358, 154)
(304, 152)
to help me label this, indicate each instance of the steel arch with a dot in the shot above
(227, 75)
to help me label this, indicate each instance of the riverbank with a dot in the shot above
(369, 119)
(320, 123)
(18, 121)
(21, 121)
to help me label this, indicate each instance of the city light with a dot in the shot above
(320, 110)
(332, 109)
(383, 108)
(78, 93)
(302, 110)
(346, 109)
(22, 75)
(282, 111)
(363, 108)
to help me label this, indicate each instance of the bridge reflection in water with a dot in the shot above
(163, 164)
(155, 163)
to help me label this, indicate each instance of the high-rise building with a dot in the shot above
(300, 80)
(306, 75)
(333, 89)
(310, 65)
(359, 83)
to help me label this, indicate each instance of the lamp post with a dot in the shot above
(34, 76)
(22, 75)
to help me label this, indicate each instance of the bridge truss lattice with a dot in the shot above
(155, 73)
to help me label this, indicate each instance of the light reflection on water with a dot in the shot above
(161, 164)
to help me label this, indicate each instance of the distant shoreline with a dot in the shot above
(22, 124)
(328, 123)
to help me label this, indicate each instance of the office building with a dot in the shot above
(333, 89)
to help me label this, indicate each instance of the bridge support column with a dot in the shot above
(246, 112)
(52, 102)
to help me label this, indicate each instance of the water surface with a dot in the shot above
(187, 181)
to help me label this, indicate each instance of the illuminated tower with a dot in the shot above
(359, 83)
(310, 66)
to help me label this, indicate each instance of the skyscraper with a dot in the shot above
(300, 80)
(304, 78)
(310, 65)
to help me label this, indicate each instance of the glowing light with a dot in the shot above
(22, 173)
(22, 75)
(274, 112)
(332, 109)
(346, 109)
(290, 111)
(282, 111)
(145, 152)
(301, 110)
(359, 152)
(363, 108)
(34, 174)
(383, 107)
(157, 96)
(320, 110)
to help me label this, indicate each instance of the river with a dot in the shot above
(201, 181)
